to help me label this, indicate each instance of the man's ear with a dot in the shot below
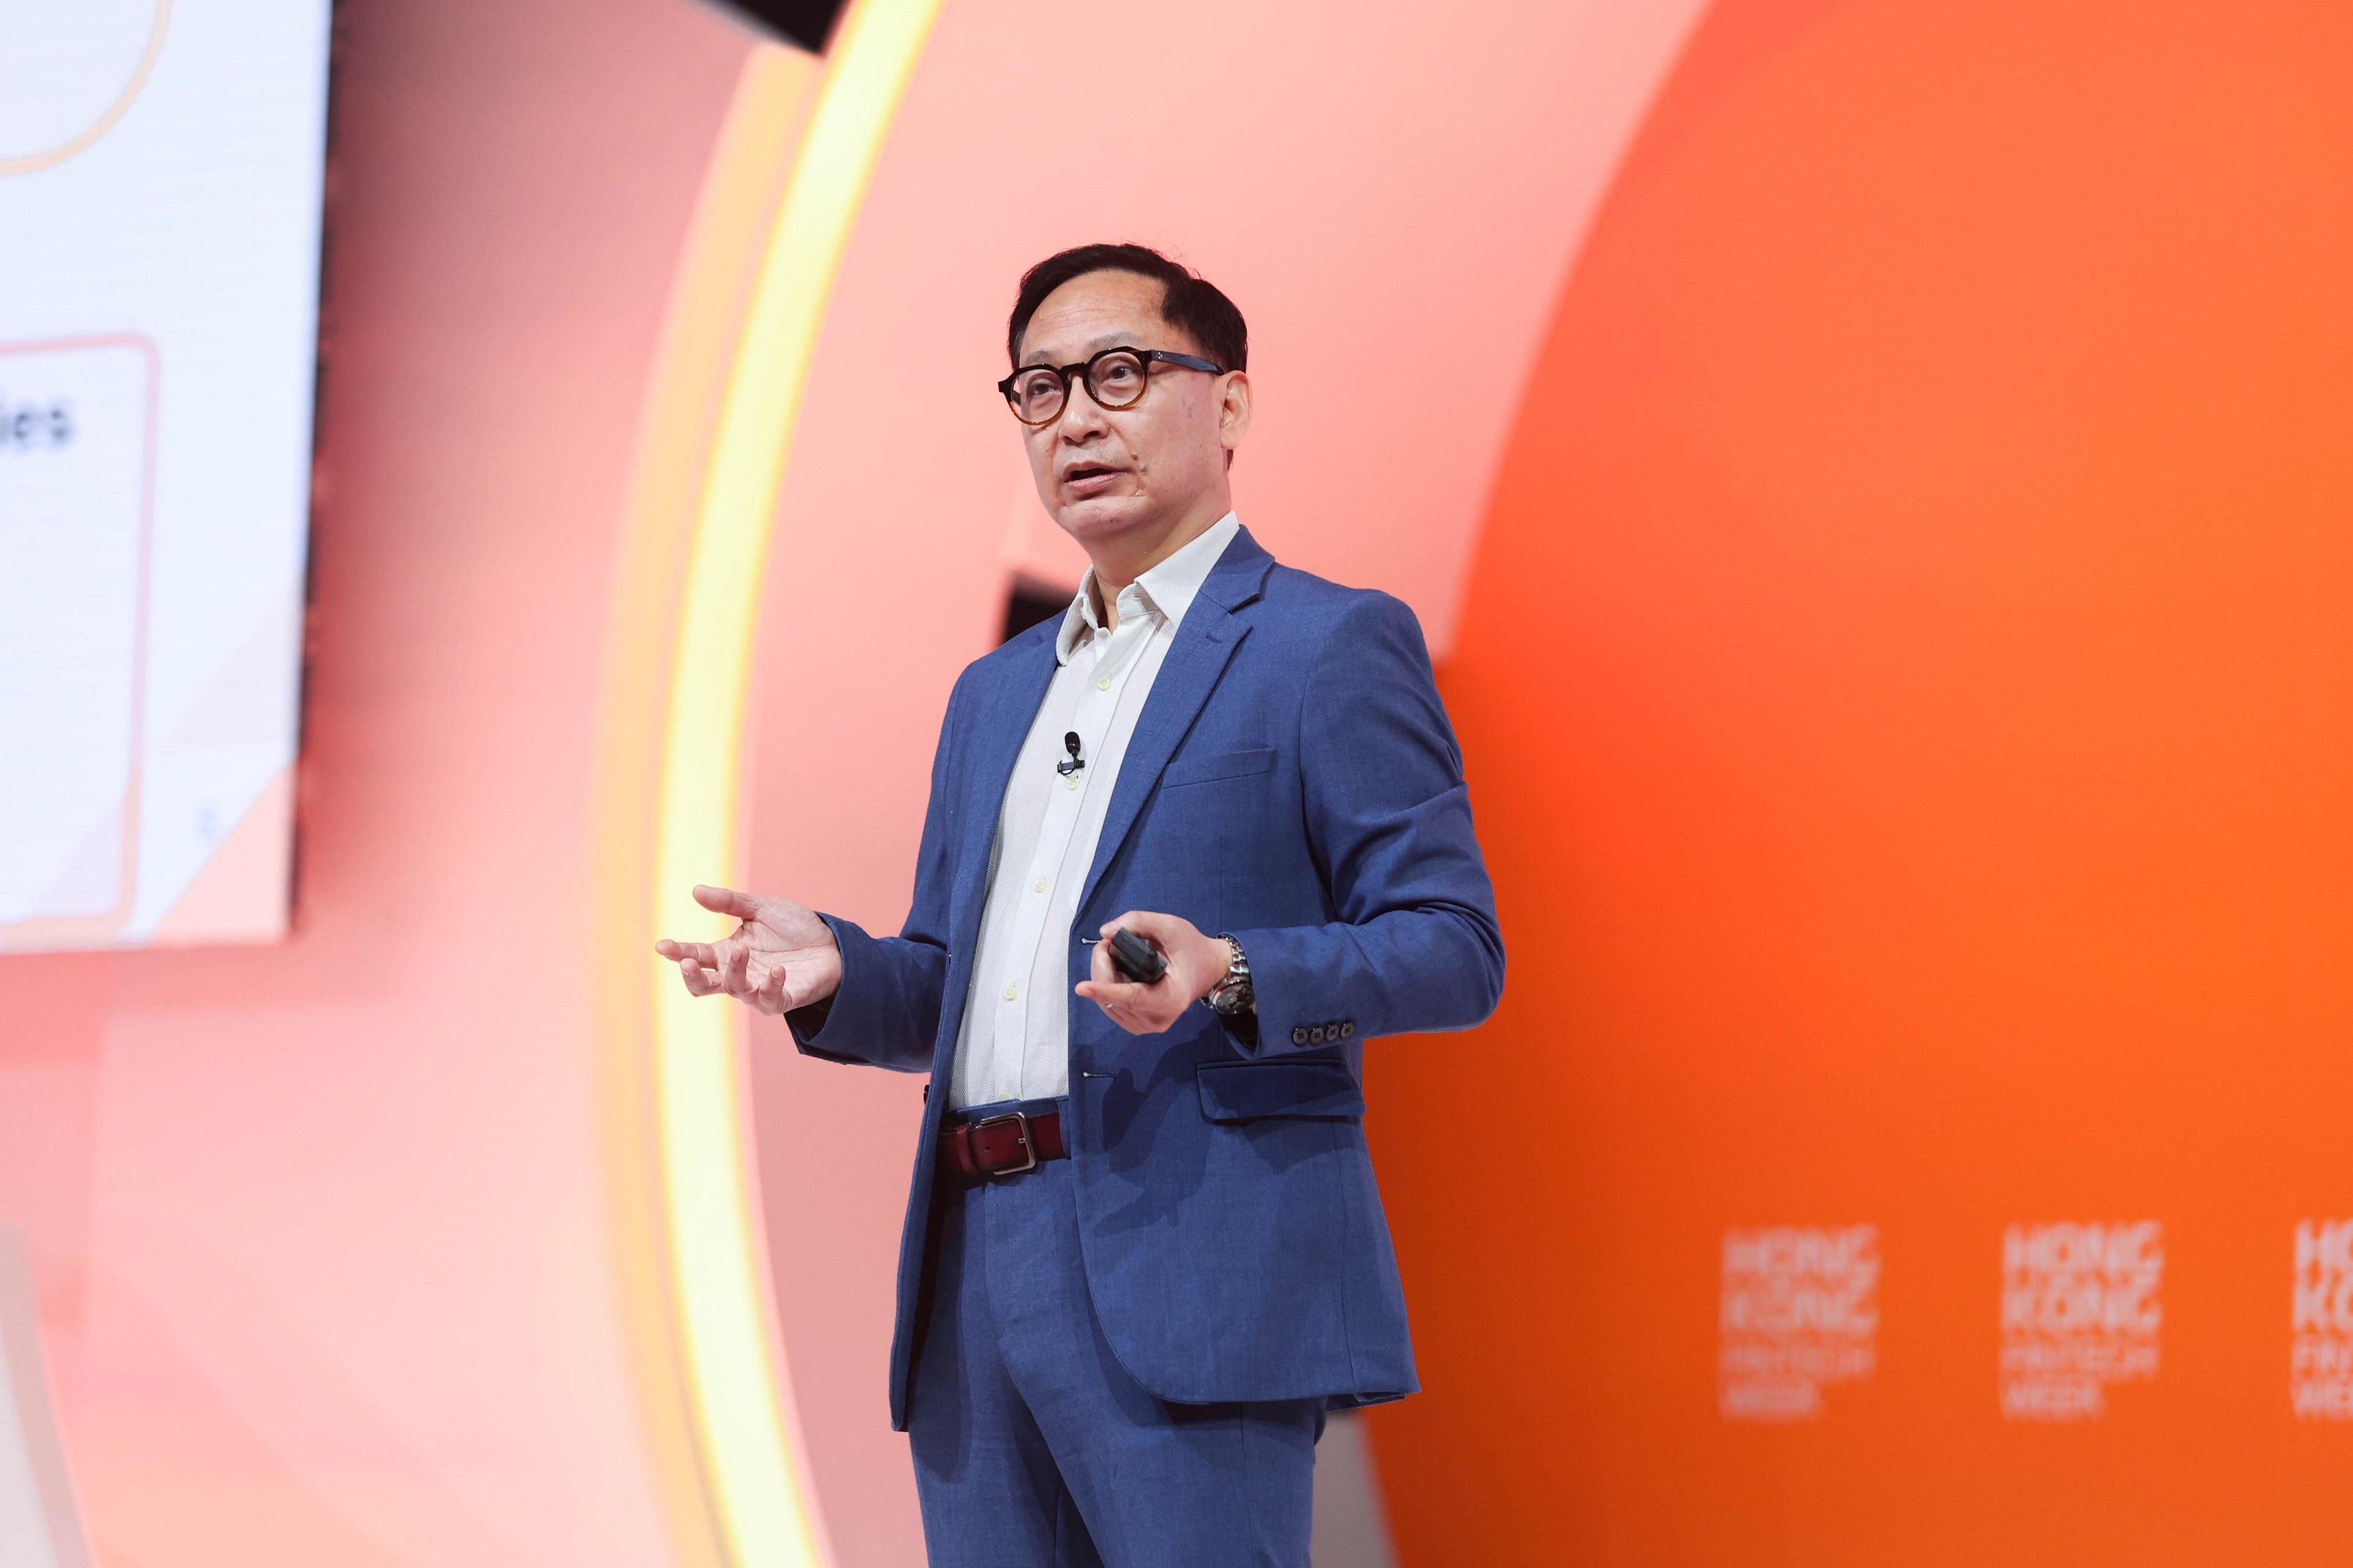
(1233, 412)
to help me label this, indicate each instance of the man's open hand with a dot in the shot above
(781, 957)
(1196, 962)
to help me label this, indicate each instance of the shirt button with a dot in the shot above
(1038, 885)
(1071, 781)
(1008, 993)
(1103, 683)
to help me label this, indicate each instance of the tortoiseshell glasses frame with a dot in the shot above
(1116, 377)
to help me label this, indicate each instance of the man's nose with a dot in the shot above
(1081, 415)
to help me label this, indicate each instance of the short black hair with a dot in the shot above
(1189, 302)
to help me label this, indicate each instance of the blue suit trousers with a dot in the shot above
(1033, 1445)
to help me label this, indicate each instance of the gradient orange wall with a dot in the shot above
(1887, 574)
(1908, 693)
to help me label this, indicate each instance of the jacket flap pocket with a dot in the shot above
(1218, 766)
(1236, 1091)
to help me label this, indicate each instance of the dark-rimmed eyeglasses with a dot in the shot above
(1116, 378)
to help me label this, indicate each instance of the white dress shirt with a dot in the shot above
(1014, 1042)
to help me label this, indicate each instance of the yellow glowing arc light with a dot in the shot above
(717, 1257)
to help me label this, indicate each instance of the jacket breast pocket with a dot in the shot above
(1243, 1091)
(1218, 766)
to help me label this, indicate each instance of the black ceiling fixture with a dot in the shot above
(1029, 602)
(807, 22)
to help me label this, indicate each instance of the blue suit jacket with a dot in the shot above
(1293, 779)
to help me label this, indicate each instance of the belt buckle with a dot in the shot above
(1021, 1127)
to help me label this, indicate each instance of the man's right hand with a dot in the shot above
(781, 957)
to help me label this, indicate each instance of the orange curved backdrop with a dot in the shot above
(1909, 702)
(1882, 510)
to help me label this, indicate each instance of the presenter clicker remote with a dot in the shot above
(1136, 958)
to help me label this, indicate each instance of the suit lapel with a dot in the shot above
(1205, 639)
(998, 730)
(1006, 713)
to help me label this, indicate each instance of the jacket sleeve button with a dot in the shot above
(1347, 1028)
(1299, 1033)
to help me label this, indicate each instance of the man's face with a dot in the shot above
(1104, 472)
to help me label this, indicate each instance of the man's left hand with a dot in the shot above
(1196, 962)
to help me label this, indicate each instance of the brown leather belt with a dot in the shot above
(1003, 1145)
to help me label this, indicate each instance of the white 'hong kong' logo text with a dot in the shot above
(2320, 1357)
(1800, 1311)
(2080, 1311)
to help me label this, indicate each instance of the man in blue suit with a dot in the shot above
(1144, 1251)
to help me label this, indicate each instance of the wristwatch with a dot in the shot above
(1232, 996)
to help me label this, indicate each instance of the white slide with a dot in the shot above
(76, 445)
(161, 177)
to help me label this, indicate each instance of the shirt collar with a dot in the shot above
(1167, 588)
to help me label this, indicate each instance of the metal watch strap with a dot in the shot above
(1232, 994)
